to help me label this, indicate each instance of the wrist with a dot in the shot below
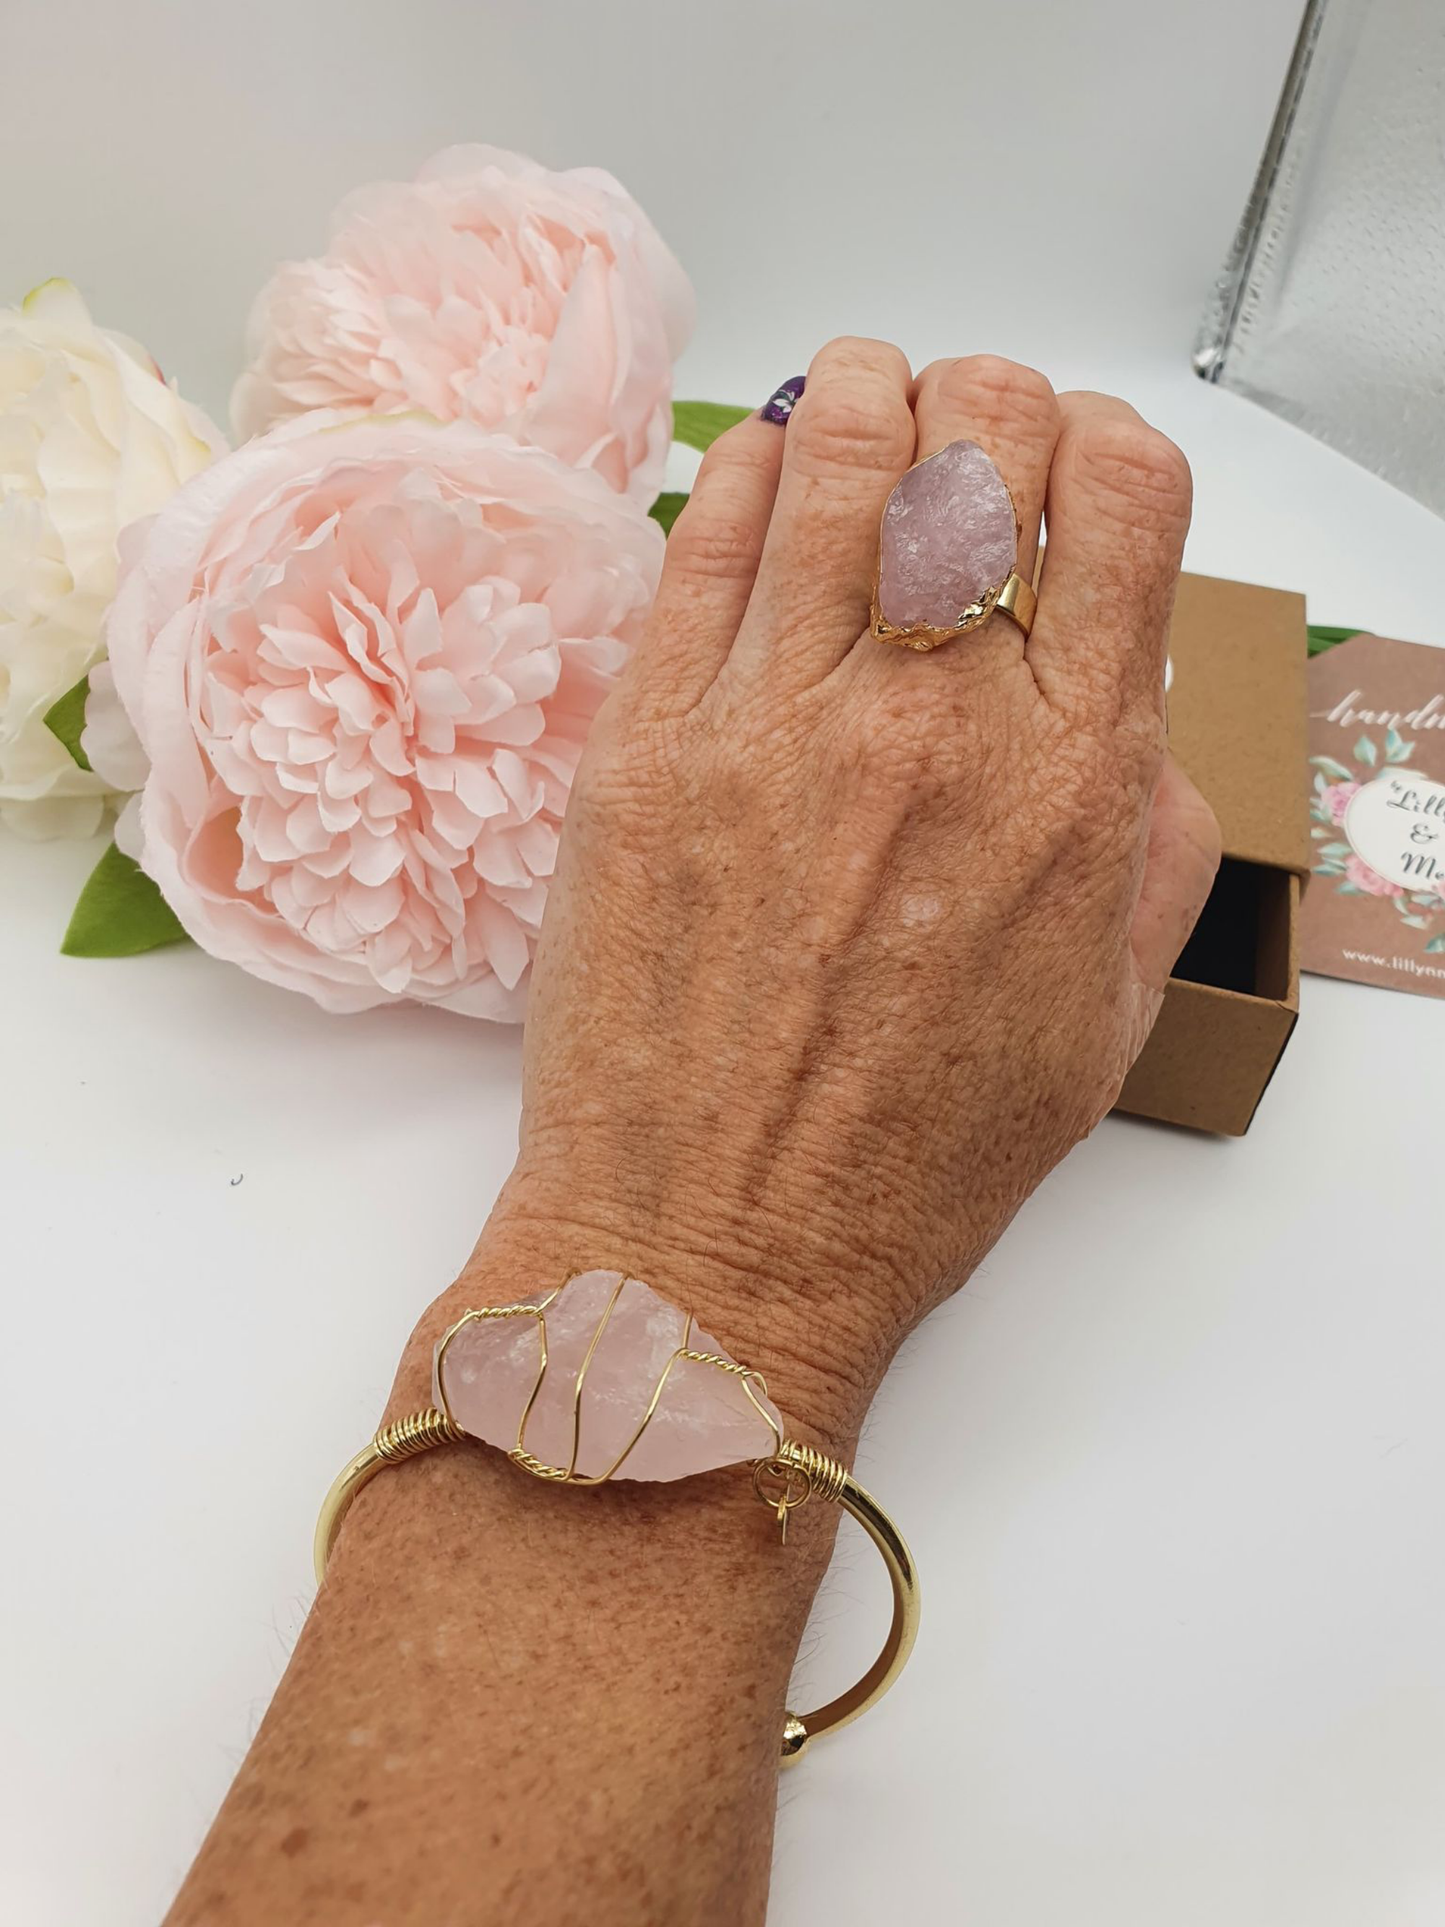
(822, 1353)
(690, 1529)
(663, 1537)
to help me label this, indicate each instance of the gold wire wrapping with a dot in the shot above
(825, 1476)
(797, 1471)
(568, 1474)
(417, 1432)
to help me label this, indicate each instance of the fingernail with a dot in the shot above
(781, 403)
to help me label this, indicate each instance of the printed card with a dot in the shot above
(1375, 908)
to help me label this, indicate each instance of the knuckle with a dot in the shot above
(1136, 475)
(858, 426)
(988, 388)
(713, 545)
(740, 455)
(855, 413)
(861, 353)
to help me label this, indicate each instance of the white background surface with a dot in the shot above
(1172, 1465)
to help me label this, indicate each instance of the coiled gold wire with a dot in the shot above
(539, 1468)
(825, 1476)
(417, 1432)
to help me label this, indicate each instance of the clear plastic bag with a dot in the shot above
(1331, 309)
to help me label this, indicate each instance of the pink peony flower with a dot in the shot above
(1358, 872)
(545, 305)
(1336, 799)
(360, 659)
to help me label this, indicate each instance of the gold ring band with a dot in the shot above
(424, 1430)
(1015, 599)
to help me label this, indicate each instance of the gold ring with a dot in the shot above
(948, 547)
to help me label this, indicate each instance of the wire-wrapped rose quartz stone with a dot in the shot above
(949, 538)
(624, 1342)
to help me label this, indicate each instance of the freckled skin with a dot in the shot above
(846, 949)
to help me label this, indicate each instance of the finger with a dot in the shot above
(1117, 511)
(1179, 872)
(711, 562)
(850, 438)
(1011, 412)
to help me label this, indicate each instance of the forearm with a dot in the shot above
(843, 951)
(516, 1699)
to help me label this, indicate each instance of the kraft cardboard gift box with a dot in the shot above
(1237, 724)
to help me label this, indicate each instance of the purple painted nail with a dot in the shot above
(781, 403)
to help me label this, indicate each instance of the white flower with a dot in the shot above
(91, 438)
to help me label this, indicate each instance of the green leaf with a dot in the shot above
(1321, 638)
(1418, 923)
(1365, 752)
(699, 423)
(120, 912)
(666, 510)
(1332, 768)
(1335, 849)
(1350, 890)
(1393, 744)
(1435, 945)
(65, 718)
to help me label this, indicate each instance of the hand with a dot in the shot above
(849, 945)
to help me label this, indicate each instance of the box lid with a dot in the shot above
(1237, 713)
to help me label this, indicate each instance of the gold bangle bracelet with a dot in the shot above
(652, 1355)
(785, 1473)
(825, 1478)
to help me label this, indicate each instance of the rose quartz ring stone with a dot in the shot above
(947, 551)
(602, 1378)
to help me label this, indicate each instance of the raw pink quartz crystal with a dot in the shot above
(949, 536)
(703, 1419)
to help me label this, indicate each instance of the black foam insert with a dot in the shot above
(1236, 945)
